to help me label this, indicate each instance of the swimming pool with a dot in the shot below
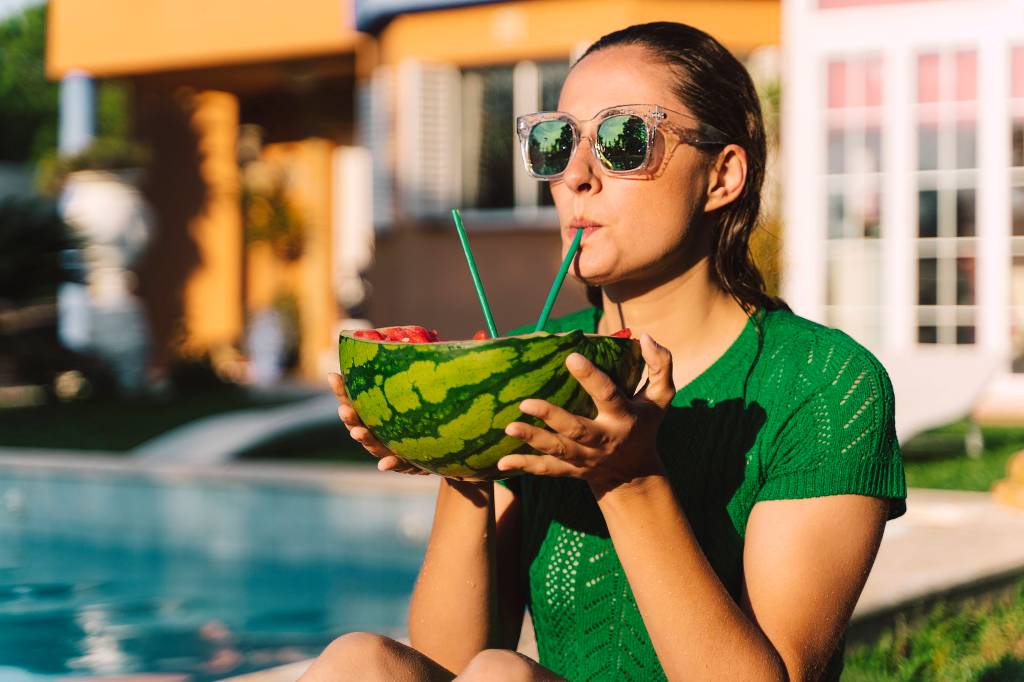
(110, 569)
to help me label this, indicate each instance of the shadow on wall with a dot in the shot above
(174, 187)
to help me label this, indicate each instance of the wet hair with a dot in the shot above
(718, 90)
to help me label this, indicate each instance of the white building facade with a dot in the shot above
(903, 155)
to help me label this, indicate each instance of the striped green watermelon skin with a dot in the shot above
(444, 406)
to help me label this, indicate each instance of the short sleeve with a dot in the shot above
(837, 434)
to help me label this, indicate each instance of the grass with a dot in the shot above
(118, 425)
(937, 458)
(978, 641)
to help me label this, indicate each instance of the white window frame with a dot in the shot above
(947, 179)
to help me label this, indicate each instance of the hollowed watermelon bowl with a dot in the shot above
(444, 406)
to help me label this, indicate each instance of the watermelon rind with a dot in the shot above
(444, 406)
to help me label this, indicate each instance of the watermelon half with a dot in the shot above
(444, 406)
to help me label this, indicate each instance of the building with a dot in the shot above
(903, 129)
(363, 121)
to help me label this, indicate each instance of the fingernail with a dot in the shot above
(512, 431)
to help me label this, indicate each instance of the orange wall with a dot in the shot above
(213, 291)
(556, 28)
(121, 37)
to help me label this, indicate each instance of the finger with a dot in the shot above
(660, 388)
(538, 465)
(607, 396)
(546, 442)
(349, 417)
(398, 465)
(362, 435)
(565, 423)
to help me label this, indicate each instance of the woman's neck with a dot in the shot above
(688, 314)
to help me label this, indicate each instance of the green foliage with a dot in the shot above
(105, 153)
(937, 459)
(981, 641)
(271, 217)
(114, 110)
(32, 239)
(28, 101)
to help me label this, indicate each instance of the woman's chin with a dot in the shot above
(593, 276)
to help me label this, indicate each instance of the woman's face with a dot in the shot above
(641, 219)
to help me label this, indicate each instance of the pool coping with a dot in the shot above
(340, 477)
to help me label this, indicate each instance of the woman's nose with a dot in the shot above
(582, 175)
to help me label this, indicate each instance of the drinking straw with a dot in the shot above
(553, 294)
(476, 275)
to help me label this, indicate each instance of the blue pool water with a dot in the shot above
(113, 573)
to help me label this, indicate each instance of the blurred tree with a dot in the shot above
(28, 102)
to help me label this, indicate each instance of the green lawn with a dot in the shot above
(119, 425)
(937, 459)
(978, 641)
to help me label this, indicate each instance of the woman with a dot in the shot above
(721, 523)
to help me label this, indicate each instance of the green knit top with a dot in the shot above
(792, 409)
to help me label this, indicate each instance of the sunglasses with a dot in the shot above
(622, 139)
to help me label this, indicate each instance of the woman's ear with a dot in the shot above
(727, 176)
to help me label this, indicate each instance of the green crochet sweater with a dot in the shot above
(792, 409)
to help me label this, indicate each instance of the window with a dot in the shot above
(491, 99)
(853, 179)
(487, 148)
(1017, 207)
(946, 179)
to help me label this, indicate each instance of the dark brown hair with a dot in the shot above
(718, 90)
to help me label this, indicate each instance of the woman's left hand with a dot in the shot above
(616, 446)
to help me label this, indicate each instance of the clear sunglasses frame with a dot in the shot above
(697, 134)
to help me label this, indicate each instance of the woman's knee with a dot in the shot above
(356, 655)
(499, 665)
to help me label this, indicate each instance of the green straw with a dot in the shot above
(476, 275)
(557, 285)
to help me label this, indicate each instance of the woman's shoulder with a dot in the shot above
(808, 354)
(831, 424)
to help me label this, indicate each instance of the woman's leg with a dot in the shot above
(502, 665)
(367, 657)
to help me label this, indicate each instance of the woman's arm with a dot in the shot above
(473, 552)
(805, 564)
(462, 604)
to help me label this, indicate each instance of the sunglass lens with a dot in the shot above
(623, 142)
(550, 146)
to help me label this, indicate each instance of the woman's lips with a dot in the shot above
(588, 228)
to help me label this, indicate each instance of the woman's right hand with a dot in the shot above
(387, 460)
